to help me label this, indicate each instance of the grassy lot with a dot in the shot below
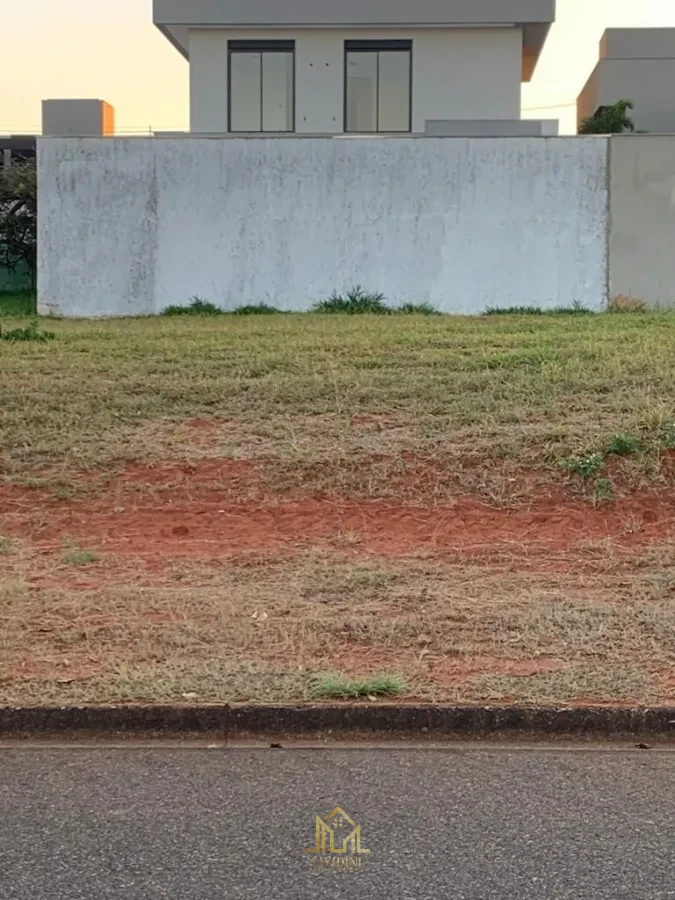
(396, 416)
(528, 389)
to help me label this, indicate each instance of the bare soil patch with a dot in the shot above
(190, 591)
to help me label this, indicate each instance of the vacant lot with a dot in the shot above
(224, 508)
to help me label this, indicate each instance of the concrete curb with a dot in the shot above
(337, 722)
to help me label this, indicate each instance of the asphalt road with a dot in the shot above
(449, 824)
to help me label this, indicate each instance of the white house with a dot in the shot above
(355, 66)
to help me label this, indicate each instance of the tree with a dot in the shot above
(613, 119)
(18, 216)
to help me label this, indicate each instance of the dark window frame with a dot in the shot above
(378, 47)
(261, 47)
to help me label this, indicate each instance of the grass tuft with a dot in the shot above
(623, 445)
(356, 301)
(417, 309)
(196, 307)
(604, 489)
(31, 332)
(256, 309)
(577, 308)
(337, 686)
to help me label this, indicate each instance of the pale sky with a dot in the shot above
(110, 50)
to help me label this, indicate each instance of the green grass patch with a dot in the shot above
(336, 686)
(77, 557)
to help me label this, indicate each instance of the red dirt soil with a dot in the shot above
(186, 516)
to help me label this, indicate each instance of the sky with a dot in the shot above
(110, 50)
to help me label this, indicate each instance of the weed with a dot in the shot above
(668, 436)
(577, 308)
(256, 309)
(513, 311)
(623, 304)
(623, 445)
(337, 686)
(197, 307)
(6, 545)
(356, 301)
(30, 333)
(604, 489)
(417, 309)
(584, 466)
(78, 557)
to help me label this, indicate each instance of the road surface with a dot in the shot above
(191, 823)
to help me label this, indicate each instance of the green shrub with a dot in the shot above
(30, 333)
(356, 301)
(197, 307)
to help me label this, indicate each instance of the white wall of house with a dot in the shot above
(129, 226)
(458, 73)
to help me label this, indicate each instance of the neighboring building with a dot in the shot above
(356, 66)
(77, 118)
(16, 147)
(636, 64)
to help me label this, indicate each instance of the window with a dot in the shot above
(261, 85)
(378, 86)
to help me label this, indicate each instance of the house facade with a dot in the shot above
(358, 66)
(636, 64)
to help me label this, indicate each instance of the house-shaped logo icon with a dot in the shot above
(331, 838)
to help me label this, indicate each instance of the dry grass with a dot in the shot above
(529, 390)
(415, 410)
(263, 631)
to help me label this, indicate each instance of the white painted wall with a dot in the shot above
(208, 82)
(458, 73)
(128, 226)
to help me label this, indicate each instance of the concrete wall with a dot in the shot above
(642, 236)
(457, 74)
(128, 226)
